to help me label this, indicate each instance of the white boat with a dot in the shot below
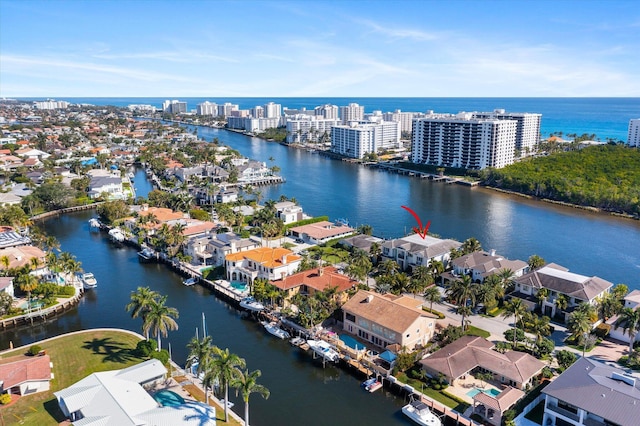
(94, 223)
(190, 281)
(88, 280)
(131, 175)
(421, 414)
(272, 328)
(297, 341)
(371, 385)
(116, 235)
(146, 255)
(324, 349)
(251, 304)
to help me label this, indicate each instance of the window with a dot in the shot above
(350, 317)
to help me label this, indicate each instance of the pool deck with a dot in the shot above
(465, 385)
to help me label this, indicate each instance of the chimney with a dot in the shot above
(370, 298)
(320, 271)
(284, 259)
(492, 252)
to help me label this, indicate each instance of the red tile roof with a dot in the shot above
(15, 371)
(318, 280)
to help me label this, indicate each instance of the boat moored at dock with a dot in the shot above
(420, 413)
(116, 235)
(272, 328)
(190, 281)
(146, 255)
(88, 280)
(251, 304)
(371, 385)
(324, 349)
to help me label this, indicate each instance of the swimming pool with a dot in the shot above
(239, 285)
(351, 342)
(35, 304)
(168, 398)
(491, 392)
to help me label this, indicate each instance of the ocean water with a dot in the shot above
(604, 117)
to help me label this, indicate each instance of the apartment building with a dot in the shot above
(359, 138)
(174, 107)
(207, 108)
(351, 112)
(634, 133)
(303, 128)
(328, 111)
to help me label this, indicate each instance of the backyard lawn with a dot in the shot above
(74, 357)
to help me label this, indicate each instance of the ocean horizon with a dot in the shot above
(607, 118)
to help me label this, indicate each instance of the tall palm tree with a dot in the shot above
(140, 303)
(27, 283)
(432, 294)
(226, 367)
(562, 302)
(420, 280)
(470, 245)
(159, 319)
(514, 307)
(535, 262)
(246, 384)
(463, 291)
(201, 352)
(629, 320)
(465, 312)
(506, 276)
(436, 267)
(5, 262)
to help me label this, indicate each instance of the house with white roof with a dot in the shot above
(631, 300)
(289, 212)
(119, 398)
(109, 185)
(409, 252)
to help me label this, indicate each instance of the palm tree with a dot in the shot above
(436, 267)
(375, 251)
(432, 294)
(140, 303)
(200, 352)
(465, 312)
(5, 262)
(562, 302)
(540, 327)
(535, 262)
(27, 283)
(514, 307)
(420, 280)
(463, 291)
(246, 384)
(630, 321)
(470, 245)
(225, 367)
(159, 319)
(542, 295)
(579, 324)
(400, 283)
(506, 278)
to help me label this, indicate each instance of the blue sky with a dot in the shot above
(57, 48)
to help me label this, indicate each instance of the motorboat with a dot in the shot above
(190, 281)
(116, 235)
(420, 413)
(372, 384)
(272, 328)
(251, 304)
(146, 255)
(94, 223)
(130, 175)
(88, 280)
(324, 349)
(297, 341)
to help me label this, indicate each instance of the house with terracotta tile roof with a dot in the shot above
(472, 353)
(492, 407)
(24, 375)
(6, 286)
(262, 262)
(21, 256)
(385, 320)
(315, 280)
(321, 232)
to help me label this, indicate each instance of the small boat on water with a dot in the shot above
(88, 280)
(146, 255)
(324, 349)
(372, 384)
(116, 235)
(272, 328)
(190, 281)
(297, 341)
(131, 175)
(94, 223)
(251, 304)
(420, 413)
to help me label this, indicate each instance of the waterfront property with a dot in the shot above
(492, 405)
(472, 353)
(387, 319)
(632, 301)
(320, 232)
(480, 264)
(262, 262)
(559, 281)
(6, 286)
(315, 280)
(120, 397)
(591, 393)
(24, 375)
(409, 252)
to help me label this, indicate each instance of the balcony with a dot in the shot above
(563, 412)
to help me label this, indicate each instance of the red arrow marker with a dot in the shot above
(419, 230)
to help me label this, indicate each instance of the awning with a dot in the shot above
(388, 356)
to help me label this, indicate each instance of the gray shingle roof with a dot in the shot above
(589, 385)
(558, 278)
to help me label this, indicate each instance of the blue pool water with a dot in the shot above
(491, 392)
(239, 285)
(35, 304)
(351, 342)
(168, 398)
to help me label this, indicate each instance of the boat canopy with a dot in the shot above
(388, 356)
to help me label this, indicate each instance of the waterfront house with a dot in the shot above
(24, 375)
(387, 319)
(315, 280)
(253, 171)
(211, 249)
(591, 393)
(413, 250)
(262, 262)
(481, 264)
(631, 300)
(10, 238)
(227, 196)
(289, 212)
(558, 281)
(361, 241)
(469, 354)
(320, 232)
(119, 397)
(6, 286)
(21, 256)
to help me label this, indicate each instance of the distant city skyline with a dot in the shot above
(68, 48)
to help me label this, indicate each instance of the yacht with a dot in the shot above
(324, 349)
(421, 414)
(190, 281)
(272, 328)
(88, 280)
(116, 235)
(146, 255)
(251, 304)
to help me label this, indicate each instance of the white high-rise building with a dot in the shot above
(352, 112)
(207, 108)
(51, 104)
(527, 131)
(404, 118)
(272, 110)
(463, 141)
(257, 112)
(327, 111)
(634, 133)
(225, 110)
(174, 107)
(357, 139)
(303, 128)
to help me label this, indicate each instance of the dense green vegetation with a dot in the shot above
(606, 177)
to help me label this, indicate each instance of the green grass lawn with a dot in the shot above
(74, 357)
(475, 331)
